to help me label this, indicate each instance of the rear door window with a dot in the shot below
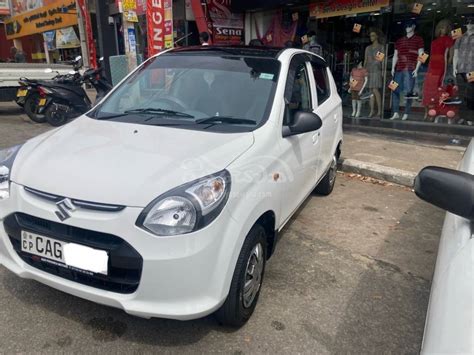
(322, 82)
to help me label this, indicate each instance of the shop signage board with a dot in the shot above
(4, 7)
(160, 25)
(345, 7)
(57, 15)
(228, 26)
(20, 6)
(129, 5)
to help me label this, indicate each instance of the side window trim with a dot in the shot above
(312, 85)
(298, 60)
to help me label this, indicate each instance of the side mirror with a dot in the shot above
(451, 190)
(101, 59)
(303, 122)
(78, 58)
(48, 70)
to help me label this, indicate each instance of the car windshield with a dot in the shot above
(212, 91)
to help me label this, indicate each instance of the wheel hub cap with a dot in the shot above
(253, 275)
(333, 170)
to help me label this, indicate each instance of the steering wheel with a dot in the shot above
(175, 103)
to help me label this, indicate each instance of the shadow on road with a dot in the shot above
(107, 324)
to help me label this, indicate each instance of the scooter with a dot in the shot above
(28, 95)
(61, 103)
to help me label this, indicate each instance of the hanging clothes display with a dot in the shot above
(277, 33)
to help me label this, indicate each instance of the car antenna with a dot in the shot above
(184, 37)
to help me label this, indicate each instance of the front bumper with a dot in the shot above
(182, 277)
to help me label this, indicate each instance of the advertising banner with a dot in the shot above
(228, 27)
(67, 38)
(333, 8)
(4, 7)
(160, 25)
(89, 35)
(141, 7)
(49, 39)
(59, 14)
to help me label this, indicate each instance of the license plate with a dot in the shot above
(69, 255)
(21, 93)
(42, 102)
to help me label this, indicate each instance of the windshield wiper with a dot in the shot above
(225, 119)
(146, 110)
(158, 111)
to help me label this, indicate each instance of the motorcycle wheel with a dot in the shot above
(31, 106)
(56, 116)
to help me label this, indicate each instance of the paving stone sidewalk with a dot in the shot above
(393, 160)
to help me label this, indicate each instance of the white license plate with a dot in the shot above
(70, 254)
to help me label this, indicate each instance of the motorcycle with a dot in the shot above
(61, 103)
(28, 95)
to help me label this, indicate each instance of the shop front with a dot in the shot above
(44, 30)
(393, 61)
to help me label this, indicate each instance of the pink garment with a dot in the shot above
(359, 74)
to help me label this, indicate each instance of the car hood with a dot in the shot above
(122, 163)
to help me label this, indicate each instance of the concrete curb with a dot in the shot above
(376, 171)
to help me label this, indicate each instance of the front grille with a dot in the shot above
(104, 207)
(125, 263)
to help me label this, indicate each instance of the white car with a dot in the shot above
(449, 327)
(167, 198)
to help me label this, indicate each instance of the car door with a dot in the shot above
(299, 153)
(327, 108)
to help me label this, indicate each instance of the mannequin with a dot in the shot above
(359, 78)
(405, 68)
(463, 63)
(439, 59)
(374, 68)
(312, 45)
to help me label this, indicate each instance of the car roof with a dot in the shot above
(242, 51)
(245, 51)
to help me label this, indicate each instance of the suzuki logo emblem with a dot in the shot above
(64, 206)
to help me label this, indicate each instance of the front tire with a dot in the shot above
(56, 116)
(326, 185)
(246, 281)
(31, 108)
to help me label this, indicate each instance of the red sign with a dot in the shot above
(155, 13)
(89, 34)
(159, 14)
(227, 27)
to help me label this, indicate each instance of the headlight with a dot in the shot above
(7, 156)
(187, 208)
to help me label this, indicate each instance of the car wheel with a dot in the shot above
(246, 281)
(326, 185)
(31, 107)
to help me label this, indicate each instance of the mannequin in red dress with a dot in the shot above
(439, 58)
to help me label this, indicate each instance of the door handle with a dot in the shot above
(315, 137)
